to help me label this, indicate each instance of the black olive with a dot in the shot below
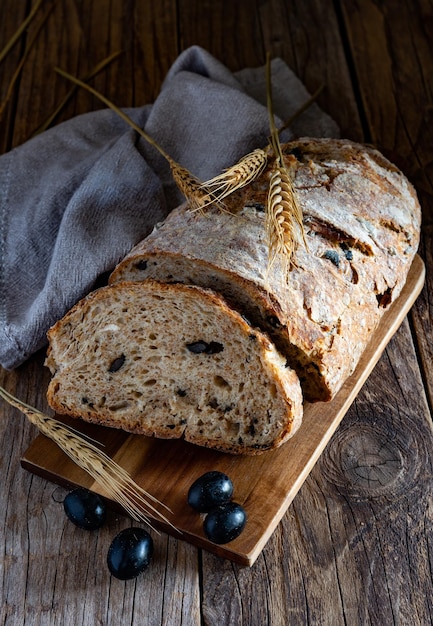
(130, 553)
(85, 509)
(197, 347)
(332, 256)
(141, 265)
(202, 347)
(117, 364)
(224, 523)
(214, 347)
(210, 490)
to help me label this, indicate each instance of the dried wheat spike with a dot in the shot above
(194, 191)
(242, 173)
(284, 227)
(114, 479)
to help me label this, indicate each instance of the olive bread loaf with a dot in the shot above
(196, 337)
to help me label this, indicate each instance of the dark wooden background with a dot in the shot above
(355, 547)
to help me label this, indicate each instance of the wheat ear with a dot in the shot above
(188, 184)
(192, 188)
(284, 220)
(114, 479)
(284, 227)
(242, 173)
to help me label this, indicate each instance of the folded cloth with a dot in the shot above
(76, 198)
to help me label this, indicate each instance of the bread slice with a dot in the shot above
(172, 361)
(362, 222)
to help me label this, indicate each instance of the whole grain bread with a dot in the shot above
(362, 222)
(172, 361)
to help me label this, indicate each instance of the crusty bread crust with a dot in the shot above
(170, 361)
(362, 221)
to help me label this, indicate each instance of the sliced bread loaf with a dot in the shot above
(362, 222)
(172, 361)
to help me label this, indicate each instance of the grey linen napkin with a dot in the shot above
(75, 199)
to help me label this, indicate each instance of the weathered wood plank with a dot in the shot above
(422, 314)
(79, 35)
(155, 46)
(228, 30)
(390, 44)
(307, 36)
(376, 477)
(16, 15)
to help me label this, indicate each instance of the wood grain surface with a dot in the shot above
(354, 546)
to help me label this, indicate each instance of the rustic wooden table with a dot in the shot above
(355, 545)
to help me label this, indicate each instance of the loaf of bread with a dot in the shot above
(362, 223)
(196, 337)
(172, 361)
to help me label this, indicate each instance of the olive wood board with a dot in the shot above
(265, 484)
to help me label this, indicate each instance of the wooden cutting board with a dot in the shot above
(265, 485)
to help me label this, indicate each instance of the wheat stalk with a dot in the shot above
(96, 70)
(284, 220)
(197, 194)
(188, 184)
(20, 65)
(114, 479)
(17, 34)
(301, 109)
